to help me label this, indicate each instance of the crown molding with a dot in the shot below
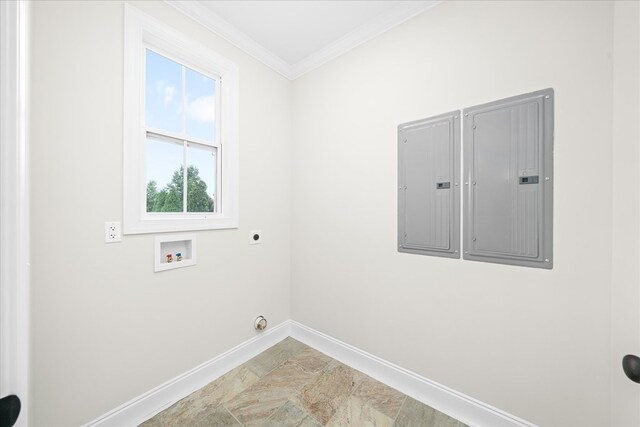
(384, 22)
(202, 15)
(360, 35)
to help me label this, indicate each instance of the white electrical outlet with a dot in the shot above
(255, 237)
(112, 232)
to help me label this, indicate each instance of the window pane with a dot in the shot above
(165, 176)
(201, 178)
(163, 93)
(201, 105)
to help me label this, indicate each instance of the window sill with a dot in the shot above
(178, 225)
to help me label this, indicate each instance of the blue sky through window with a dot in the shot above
(163, 158)
(201, 92)
(163, 93)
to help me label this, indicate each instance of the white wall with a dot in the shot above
(532, 342)
(625, 286)
(105, 328)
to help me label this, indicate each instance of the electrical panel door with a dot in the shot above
(508, 180)
(429, 186)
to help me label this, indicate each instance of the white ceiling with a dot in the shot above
(294, 30)
(294, 37)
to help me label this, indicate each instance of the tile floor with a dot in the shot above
(291, 384)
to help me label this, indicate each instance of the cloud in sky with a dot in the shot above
(166, 91)
(169, 93)
(202, 109)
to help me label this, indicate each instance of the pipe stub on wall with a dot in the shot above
(260, 323)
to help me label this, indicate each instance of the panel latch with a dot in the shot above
(529, 179)
(443, 185)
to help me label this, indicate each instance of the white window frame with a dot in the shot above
(142, 32)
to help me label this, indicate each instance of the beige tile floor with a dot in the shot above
(291, 384)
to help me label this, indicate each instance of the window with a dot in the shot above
(180, 132)
(182, 143)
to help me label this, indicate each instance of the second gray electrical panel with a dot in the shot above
(429, 188)
(508, 174)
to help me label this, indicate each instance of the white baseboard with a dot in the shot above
(149, 404)
(455, 404)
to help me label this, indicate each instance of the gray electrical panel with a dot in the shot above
(508, 181)
(429, 186)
